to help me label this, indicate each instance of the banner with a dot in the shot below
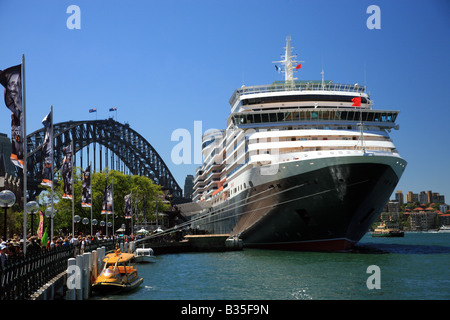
(2, 165)
(47, 151)
(108, 200)
(41, 225)
(86, 197)
(44, 238)
(67, 172)
(11, 79)
(128, 206)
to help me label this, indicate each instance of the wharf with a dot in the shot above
(193, 243)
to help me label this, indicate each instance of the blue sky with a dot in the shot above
(165, 64)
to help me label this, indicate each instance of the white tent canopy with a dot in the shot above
(142, 231)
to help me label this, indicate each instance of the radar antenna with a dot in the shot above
(290, 64)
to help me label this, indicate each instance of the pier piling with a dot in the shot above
(70, 293)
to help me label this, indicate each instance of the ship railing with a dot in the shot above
(296, 86)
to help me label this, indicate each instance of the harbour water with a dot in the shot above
(415, 267)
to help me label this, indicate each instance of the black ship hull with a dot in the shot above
(327, 208)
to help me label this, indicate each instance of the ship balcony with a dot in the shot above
(211, 183)
(197, 197)
(263, 159)
(199, 184)
(316, 117)
(212, 168)
(200, 177)
(200, 189)
(297, 86)
(213, 175)
(326, 144)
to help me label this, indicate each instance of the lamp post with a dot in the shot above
(94, 223)
(77, 219)
(32, 208)
(109, 225)
(7, 200)
(102, 224)
(85, 221)
(50, 213)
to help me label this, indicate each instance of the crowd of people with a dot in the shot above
(13, 247)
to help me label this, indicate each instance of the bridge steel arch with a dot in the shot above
(132, 149)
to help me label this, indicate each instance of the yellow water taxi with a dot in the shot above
(118, 274)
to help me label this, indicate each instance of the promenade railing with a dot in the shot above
(21, 276)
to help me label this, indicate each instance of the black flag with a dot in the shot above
(11, 79)
(108, 201)
(128, 205)
(67, 172)
(86, 198)
(47, 151)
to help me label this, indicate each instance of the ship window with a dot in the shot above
(273, 117)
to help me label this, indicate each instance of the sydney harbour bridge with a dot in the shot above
(124, 150)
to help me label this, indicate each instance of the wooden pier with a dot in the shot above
(194, 243)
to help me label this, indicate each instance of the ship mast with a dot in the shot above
(289, 62)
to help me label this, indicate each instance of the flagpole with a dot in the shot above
(112, 198)
(24, 159)
(73, 192)
(90, 184)
(131, 213)
(106, 206)
(156, 203)
(52, 146)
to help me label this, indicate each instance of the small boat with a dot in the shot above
(118, 274)
(144, 255)
(387, 229)
(444, 228)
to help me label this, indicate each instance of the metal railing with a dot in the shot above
(296, 86)
(21, 276)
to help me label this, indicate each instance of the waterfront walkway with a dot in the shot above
(22, 275)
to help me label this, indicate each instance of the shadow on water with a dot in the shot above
(383, 248)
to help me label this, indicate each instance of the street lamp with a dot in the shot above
(50, 213)
(77, 219)
(85, 221)
(32, 208)
(109, 225)
(102, 223)
(7, 200)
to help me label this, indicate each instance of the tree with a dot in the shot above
(122, 185)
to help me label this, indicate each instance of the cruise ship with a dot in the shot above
(301, 165)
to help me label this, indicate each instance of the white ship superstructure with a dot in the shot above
(288, 145)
